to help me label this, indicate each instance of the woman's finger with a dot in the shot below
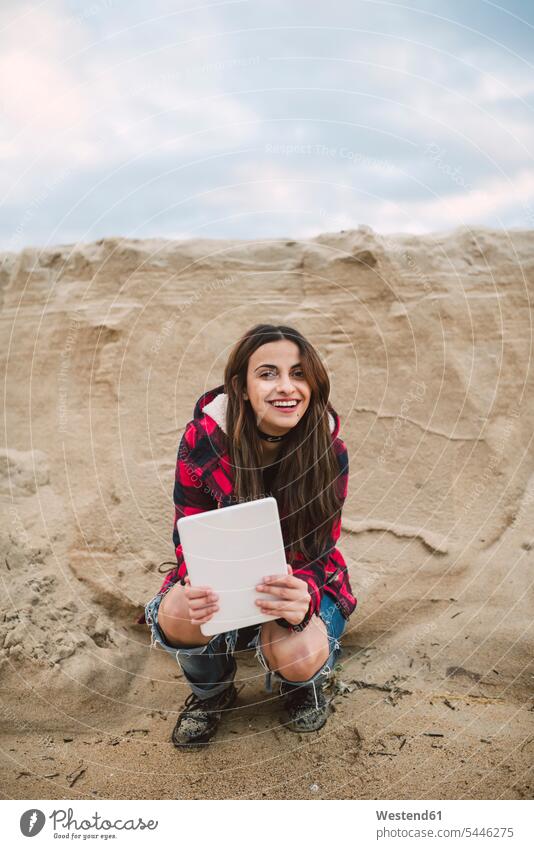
(208, 598)
(282, 592)
(197, 616)
(282, 614)
(202, 620)
(278, 605)
(197, 592)
(204, 616)
(283, 581)
(198, 608)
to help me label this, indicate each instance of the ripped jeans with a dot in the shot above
(210, 668)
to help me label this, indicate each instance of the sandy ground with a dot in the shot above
(105, 349)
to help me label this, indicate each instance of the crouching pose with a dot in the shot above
(270, 429)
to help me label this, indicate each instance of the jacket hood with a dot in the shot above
(214, 402)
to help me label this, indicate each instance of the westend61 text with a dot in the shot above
(408, 815)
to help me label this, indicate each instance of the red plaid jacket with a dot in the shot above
(203, 481)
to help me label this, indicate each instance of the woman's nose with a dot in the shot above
(285, 384)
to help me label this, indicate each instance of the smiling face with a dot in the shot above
(275, 374)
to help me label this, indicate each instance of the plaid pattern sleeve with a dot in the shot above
(317, 573)
(190, 496)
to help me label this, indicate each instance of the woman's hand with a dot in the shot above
(293, 597)
(202, 601)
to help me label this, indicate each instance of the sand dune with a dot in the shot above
(105, 349)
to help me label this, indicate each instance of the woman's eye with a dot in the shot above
(298, 374)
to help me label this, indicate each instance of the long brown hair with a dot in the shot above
(307, 484)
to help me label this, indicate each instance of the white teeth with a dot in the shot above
(284, 403)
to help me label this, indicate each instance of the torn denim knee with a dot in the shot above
(208, 668)
(156, 634)
(327, 612)
(151, 617)
(322, 673)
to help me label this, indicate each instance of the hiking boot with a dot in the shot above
(304, 712)
(200, 718)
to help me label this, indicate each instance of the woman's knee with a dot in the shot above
(174, 621)
(297, 656)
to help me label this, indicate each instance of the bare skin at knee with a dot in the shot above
(174, 620)
(296, 655)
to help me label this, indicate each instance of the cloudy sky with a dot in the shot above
(263, 118)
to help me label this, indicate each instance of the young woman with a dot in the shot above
(268, 430)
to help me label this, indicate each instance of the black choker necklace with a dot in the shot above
(269, 438)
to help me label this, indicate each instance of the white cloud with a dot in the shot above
(491, 200)
(260, 188)
(67, 103)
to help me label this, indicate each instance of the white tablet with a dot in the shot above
(231, 550)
